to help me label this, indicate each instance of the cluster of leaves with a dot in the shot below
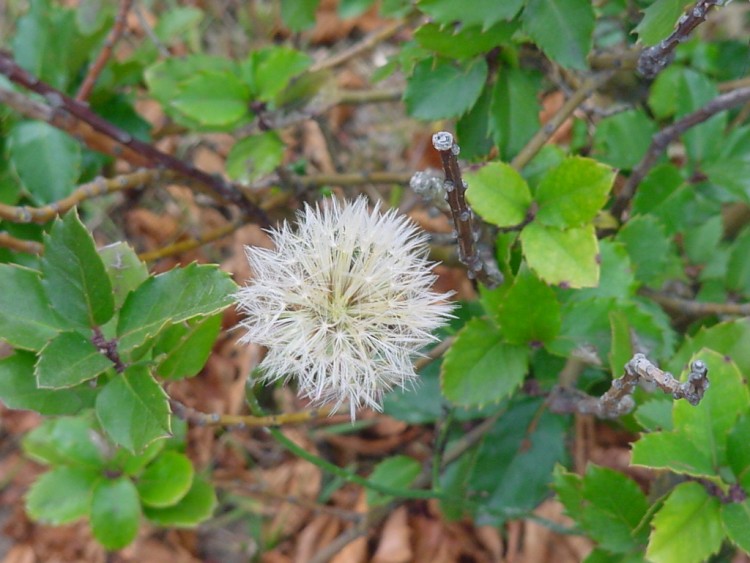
(94, 333)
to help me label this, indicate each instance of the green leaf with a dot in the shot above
(615, 507)
(173, 24)
(26, 319)
(568, 257)
(167, 480)
(397, 472)
(66, 441)
(621, 140)
(529, 312)
(125, 270)
(687, 529)
(659, 20)
(439, 88)
(622, 345)
(472, 128)
(213, 98)
(568, 487)
(562, 28)
(69, 359)
(47, 161)
(270, 71)
(738, 269)
(298, 14)
(255, 156)
(172, 297)
(701, 242)
(616, 278)
(353, 8)
(571, 194)
(736, 519)
(480, 12)
(648, 246)
(186, 347)
(115, 512)
(195, 507)
(61, 495)
(738, 451)
(514, 110)
(499, 194)
(514, 465)
(133, 409)
(463, 42)
(672, 450)
(480, 367)
(74, 276)
(655, 414)
(730, 337)
(18, 389)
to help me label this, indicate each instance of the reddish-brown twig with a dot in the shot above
(101, 60)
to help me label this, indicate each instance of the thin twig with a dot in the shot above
(64, 107)
(97, 187)
(363, 46)
(618, 400)
(191, 244)
(663, 138)
(656, 58)
(695, 308)
(241, 421)
(20, 245)
(353, 179)
(109, 43)
(481, 267)
(588, 87)
(434, 353)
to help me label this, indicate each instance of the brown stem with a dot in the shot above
(695, 308)
(109, 43)
(108, 348)
(663, 138)
(482, 267)
(20, 245)
(656, 58)
(239, 421)
(187, 245)
(65, 108)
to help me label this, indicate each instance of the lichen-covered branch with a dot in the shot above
(618, 400)
(231, 421)
(481, 265)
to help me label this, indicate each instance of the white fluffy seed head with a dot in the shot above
(343, 303)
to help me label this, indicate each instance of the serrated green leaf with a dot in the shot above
(655, 415)
(530, 312)
(47, 161)
(615, 507)
(480, 12)
(659, 19)
(499, 194)
(621, 140)
(255, 156)
(397, 472)
(675, 451)
(126, 271)
(565, 257)
(472, 128)
(298, 14)
(569, 489)
(115, 512)
(172, 297)
(353, 8)
(26, 319)
(481, 368)
(736, 519)
(738, 269)
(195, 507)
(701, 242)
(270, 71)
(213, 98)
(18, 389)
(514, 110)
(648, 246)
(186, 348)
(616, 277)
(133, 409)
(69, 359)
(562, 28)
(571, 194)
(73, 275)
(622, 345)
(730, 337)
(687, 528)
(61, 495)
(166, 481)
(173, 24)
(66, 441)
(463, 42)
(439, 88)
